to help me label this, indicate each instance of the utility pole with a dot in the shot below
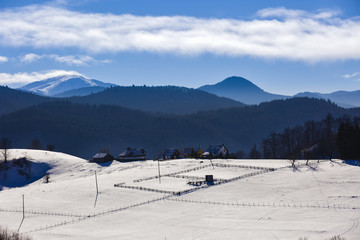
(23, 201)
(97, 188)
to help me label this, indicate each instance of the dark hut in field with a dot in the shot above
(132, 154)
(101, 158)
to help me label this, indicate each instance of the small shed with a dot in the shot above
(101, 158)
(171, 153)
(209, 178)
(132, 154)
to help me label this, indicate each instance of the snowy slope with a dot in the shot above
(317, 201)
(60, 84)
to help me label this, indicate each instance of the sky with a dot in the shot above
(284, 47)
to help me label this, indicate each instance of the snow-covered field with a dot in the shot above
(317, 201)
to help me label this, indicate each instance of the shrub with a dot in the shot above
(5, 234)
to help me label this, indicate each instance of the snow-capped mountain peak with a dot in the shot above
(63, 83)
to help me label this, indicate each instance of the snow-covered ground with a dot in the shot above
(317, 201)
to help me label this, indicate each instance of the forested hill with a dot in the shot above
(166, 99)
(82, 129)
(12, 100)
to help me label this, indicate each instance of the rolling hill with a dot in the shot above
(12, 100)
(166, 99)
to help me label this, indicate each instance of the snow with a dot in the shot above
(56, 85)
(317, 201)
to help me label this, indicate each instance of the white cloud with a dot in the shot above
(282, 12)
(30, 57)
(352, 75)
(17, 79)
(70, 60)
(73, 60)
(3, 59)
(277, 33)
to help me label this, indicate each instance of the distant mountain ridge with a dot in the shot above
(242, 90)
(60, 84)
(80, 92)
(346, 99)
(165, 99)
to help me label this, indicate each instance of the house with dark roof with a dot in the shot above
(101, 158)
(132, 154)
(216, 151)
(171, 153)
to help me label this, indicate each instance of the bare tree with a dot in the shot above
(35, 144)
(254, 152)
(50, 147)
(5, 145)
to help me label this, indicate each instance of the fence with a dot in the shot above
(90, 216)
(197, 178)
(178, 193)
(172, 174)
(253, 204)
(242, 166)
(33, 212)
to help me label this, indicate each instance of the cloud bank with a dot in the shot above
(278, 33)
(22, 78)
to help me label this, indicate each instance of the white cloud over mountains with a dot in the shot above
(276, 33)
(26, 77)
(68, 59)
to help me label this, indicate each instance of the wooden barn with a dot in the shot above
(101, 158)
(132, 154)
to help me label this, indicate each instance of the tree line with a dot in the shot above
(326, 139)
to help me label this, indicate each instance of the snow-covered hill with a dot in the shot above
(60, 84)
(251, 199)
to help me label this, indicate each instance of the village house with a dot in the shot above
(216, 151)
(171, 153)
(102, 158)
(131, 154)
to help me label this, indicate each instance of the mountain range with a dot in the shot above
(82, 129)
(152, 117)
(235, 88)
(164, 100)
(242, 90)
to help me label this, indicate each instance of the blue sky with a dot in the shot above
(283, 47)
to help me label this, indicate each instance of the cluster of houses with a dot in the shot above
(130, 154)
